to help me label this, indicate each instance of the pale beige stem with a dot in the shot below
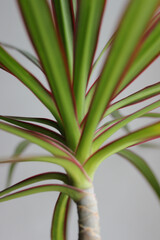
(88, 217)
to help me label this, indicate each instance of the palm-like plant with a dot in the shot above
(65, 38)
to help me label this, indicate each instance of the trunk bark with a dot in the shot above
(88, 217)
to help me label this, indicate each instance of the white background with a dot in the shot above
(128, 207)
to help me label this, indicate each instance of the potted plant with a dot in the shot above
(65, 37)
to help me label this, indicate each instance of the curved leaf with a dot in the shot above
(74, 169)
(137, 137)
(26, 54)
(143, 167)
(44, 121)
(143, 94)
(29, 80)
(35, 128)
(52, 146)
(45, 40)
(99, 140)
(58, 229)
(34, 179)
(123, 48)
(19, 150)
(75, 193)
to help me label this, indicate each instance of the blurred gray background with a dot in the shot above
(128, 207)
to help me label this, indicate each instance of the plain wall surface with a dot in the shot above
(129, 209)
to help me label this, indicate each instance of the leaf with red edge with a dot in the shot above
(126, 42)
(58, 228)
(75, 193)
(46, 42)
(143, 135)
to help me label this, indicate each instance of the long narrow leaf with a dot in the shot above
(35, 179)
(44, 121)
(125, 43)
(143, 167)
(74, 169)
(75, 193)
(143, 94)
(34, 127)
(26, 54)
(58, 229)
(18, 151)
(99, 140)
(137, 137)
(87, 29)
(29, 80)
(39, 23)
(152, 115)
(51, 146)
(63, 20)
(148, 52)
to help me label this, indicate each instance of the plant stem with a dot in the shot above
(88, 217)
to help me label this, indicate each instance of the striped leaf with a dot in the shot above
(137, 137)
(29, 81)
(35, 179)
(99, 140)
(39, 23)
(75, 193)
(125, 43)
(35, 128)
(149, 51)
(45, 121)
(143, 94)
(73, 168)
(51, 146)
(63, 20)
(87, 29)
(58, 229)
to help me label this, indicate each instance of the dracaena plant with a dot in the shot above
(65, 35)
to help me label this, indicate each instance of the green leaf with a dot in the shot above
(63, 20)
(51, 146)
(44, 121)
(88, 24)
(35, 179)
(73, 168)
(116, 115)
(18, 151)
(102, 53)
(39, 23)
(152, 115)
(124, 45)
(145, 134)
(26, 54)
(150, 50)
(58, 230)
(137, 97)
(143, 167)
(75, 193)
(99, 140)
(35, 128)
(29, 80)
(74, 3)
